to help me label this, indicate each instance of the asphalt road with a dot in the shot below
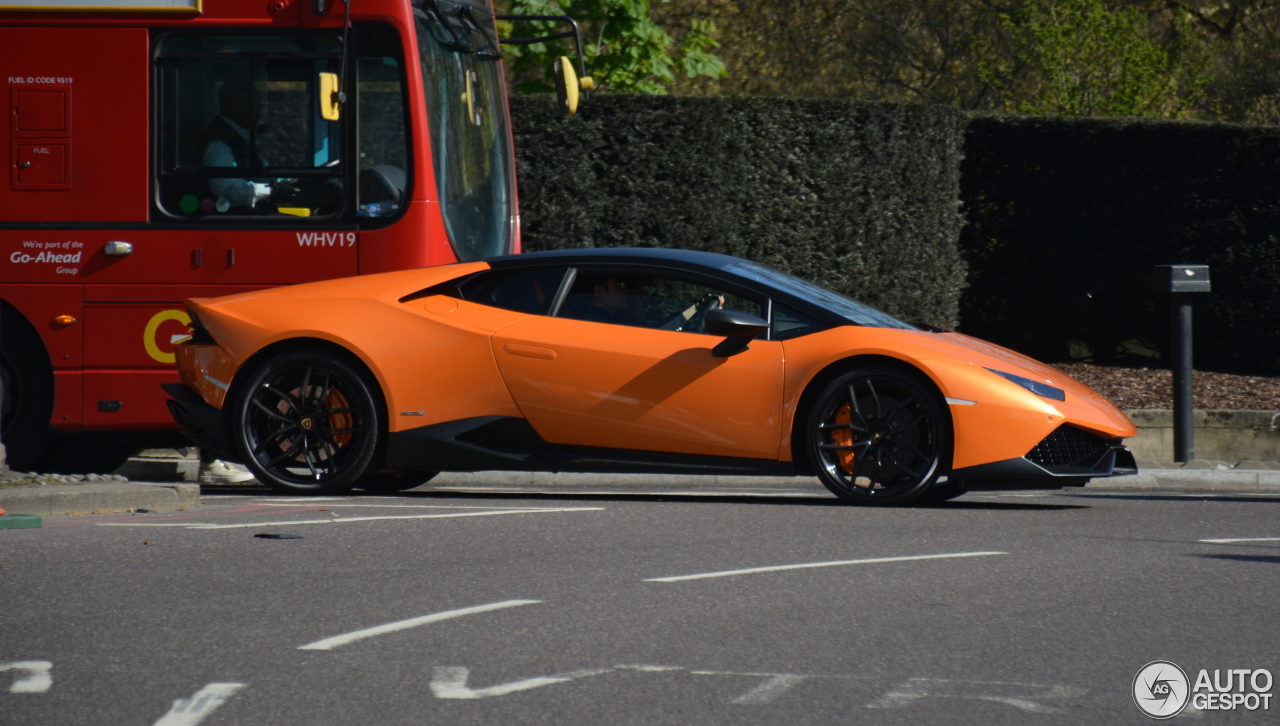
(621, 608)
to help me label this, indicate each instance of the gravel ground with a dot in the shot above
(1153, 388)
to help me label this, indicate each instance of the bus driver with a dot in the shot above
(228, 145)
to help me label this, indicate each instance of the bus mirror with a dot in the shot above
(330, 108)
(569, 86)
(566, 86)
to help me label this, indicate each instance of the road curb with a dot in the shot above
(1194, 480)
(1172, 479)
(58, 500)
(61, 499)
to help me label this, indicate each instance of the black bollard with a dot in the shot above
(1181, 281)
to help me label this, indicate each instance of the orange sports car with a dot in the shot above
(624, 360)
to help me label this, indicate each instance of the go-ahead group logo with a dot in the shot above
(1162, 690)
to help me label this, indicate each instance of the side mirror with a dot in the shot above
(568, 86)
(739, 329)
(330, 106)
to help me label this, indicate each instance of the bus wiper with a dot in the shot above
(488, 32)
(436, 18)
(460, 26)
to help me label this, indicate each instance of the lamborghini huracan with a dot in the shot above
(624, 360)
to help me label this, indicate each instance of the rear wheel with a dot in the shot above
(308, 422)
(878, 436)
(26, 391)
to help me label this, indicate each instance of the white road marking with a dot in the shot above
(771, 688)
(424, 506)
(789, 493)
(810, 565)
(337, 640)
(299, 500)
(38, 677)
(1251, 539)
(343, 520)
(451, 682)
(191, 711)
(1023, 696)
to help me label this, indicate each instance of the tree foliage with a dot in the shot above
(1081, 58)
(1208, 59)
(624, 48)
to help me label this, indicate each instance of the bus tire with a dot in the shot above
(26, 391)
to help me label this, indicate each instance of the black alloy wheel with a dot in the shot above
(308, 422)
(878, 436)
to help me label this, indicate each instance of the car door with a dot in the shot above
(638, 373)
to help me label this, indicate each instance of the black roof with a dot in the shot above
(713, 265)
(651, 255)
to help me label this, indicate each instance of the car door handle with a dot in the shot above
(529, 351)
(116, 248)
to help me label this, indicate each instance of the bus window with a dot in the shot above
(240, 128)
(467, 116)
(383, 158)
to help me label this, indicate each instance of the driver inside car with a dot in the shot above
(621, 301)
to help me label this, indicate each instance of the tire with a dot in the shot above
(26, 392)
(391, 481)
(878, 436)
(308, 422)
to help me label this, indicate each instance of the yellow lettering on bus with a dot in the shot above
(153, 327)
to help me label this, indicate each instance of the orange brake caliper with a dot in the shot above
(844, 437)
(339, 421)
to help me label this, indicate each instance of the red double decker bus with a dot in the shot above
(166, 149)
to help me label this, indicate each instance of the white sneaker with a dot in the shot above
(223, 472)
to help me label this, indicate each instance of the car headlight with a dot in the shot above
(1036, 387)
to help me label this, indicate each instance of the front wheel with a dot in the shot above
(308, 422)
(878, 436)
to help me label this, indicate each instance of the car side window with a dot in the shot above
(647, 300)
(789, 323)
(527, 291)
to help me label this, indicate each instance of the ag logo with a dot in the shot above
(1161, 689)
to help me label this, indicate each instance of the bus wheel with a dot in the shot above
(308, 422)
(26, 391)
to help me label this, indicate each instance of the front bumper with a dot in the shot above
(1068, 456)
(200, 422)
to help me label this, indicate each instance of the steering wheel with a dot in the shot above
(691, 317)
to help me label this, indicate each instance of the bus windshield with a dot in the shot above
(470, 142)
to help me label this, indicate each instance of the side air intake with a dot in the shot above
(1069, 449)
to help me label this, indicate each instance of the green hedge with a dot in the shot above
(1067, 217)
(860, 197)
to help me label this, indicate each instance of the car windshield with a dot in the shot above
(847, 308)
(467, 113)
